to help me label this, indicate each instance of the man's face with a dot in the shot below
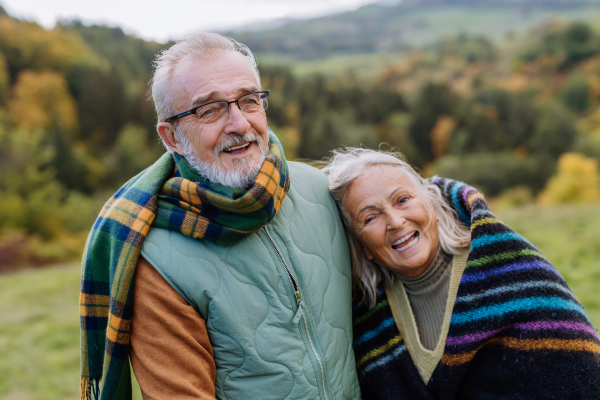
(235, 144)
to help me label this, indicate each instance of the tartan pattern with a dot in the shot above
(168, 195)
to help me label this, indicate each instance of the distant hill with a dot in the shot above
(393, 26)
(542, 3)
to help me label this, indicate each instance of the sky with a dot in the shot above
(163, 20)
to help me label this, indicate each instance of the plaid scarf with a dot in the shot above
(170, 195)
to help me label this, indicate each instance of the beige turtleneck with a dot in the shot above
(428, 295)
(426, 316)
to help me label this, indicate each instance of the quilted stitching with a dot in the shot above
(247, 317)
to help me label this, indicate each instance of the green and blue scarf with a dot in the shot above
(170, 195)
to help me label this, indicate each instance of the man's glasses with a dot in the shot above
(210, 113)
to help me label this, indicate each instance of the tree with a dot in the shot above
(575, 92)
(554, 131)
(578, 43)
(41, 100)
(26, 45)
(42, 103)
(435, 101)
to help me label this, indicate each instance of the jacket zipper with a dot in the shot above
(289, 274)
(298, 300)
(316, 355)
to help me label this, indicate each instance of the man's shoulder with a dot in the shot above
(308, 180)
(300, 170)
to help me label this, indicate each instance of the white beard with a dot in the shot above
(246, 167)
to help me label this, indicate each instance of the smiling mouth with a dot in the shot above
(406, 242)
(238, 148)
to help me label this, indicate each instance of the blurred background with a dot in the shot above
(503, 94)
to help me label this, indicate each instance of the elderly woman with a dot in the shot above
(449, 302)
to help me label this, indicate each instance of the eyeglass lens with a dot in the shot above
(250, 103)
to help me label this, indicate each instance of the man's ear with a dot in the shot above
(167, 133)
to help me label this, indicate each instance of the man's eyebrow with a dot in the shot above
(247, 89)
(217, 95)
(206, 97)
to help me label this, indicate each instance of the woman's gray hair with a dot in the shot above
(348, 164)
(199, 46)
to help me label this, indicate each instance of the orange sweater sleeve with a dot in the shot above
(170, 352)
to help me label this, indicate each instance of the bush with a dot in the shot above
(514, 197)
(587, 144)
(577, 180)
(575, 92)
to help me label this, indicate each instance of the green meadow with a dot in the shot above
(39, 322)
(39, 334)
(569, 236)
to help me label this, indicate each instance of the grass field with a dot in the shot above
(39, 323)
(569, 236)
(39, 334)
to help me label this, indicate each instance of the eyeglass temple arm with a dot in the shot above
(181, 115)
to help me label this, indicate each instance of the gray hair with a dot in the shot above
(348, 164)
(198, 45)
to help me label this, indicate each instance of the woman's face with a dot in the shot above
(391, 219)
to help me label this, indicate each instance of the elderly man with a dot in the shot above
(242, 274)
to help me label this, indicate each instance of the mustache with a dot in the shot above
(236, 139)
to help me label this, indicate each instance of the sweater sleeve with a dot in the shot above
(170, 352)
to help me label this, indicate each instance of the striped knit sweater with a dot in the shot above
(516, 329)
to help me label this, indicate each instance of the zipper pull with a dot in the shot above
(298, 297)
(298, 313)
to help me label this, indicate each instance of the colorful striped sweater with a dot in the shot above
(516, 330)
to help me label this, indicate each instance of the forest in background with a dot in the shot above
(519, 118)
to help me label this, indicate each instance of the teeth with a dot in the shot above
(237, 147)
(409, 244)
(403, 239)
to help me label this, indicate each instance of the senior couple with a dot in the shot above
(225, 271)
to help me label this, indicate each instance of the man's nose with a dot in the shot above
(236, 120)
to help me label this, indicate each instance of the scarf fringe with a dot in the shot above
(139, 204)
(90, 388)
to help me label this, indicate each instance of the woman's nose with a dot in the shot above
(395, 220)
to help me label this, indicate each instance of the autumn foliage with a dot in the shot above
(519, 119)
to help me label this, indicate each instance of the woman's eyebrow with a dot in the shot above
(364, 209)
(396, 190)
(400, 188)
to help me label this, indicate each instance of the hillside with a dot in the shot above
(76, 123)
(390, 28)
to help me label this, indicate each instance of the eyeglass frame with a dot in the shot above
(193, 110)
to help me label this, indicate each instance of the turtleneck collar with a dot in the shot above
(432, 276)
